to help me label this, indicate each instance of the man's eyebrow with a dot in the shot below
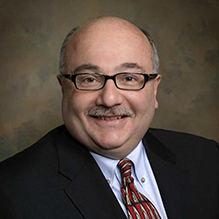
(83, 67)
(131, 65)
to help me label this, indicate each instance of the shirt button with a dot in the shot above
(142, 179)
(108, 180)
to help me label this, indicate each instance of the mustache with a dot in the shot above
(104, 111)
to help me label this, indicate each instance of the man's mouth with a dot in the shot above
(110, 117)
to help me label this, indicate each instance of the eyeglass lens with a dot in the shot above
(122, 80)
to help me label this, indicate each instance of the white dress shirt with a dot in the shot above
(142, 173)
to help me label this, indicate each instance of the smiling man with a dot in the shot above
(111, 117)
(105, 162)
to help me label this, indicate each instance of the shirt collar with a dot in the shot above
(108, 166)
(137, 158)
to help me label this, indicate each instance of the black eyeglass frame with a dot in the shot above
(147, 77)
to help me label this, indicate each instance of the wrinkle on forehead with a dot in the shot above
(95, 68)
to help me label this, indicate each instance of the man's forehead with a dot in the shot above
(101, 41)
(96, 68)
(104, 23)
(105, 26)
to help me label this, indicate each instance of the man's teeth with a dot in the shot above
(109, 117)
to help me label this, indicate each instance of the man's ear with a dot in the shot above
(60, 80)
(156, 83)
(59, 77)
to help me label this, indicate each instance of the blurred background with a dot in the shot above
(31, 34)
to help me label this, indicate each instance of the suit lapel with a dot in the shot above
(88, 189)
(170, 178)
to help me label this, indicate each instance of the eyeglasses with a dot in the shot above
(97, 81)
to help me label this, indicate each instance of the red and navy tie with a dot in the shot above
(138, 206)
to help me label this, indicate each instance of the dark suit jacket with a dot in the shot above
(58, 178)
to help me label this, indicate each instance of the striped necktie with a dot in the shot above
(137, 205)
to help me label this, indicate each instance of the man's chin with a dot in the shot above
(109, 146)
(112, 149)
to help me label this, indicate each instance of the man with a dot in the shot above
(109, 81)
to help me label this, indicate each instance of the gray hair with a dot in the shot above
(63, 49)
(155, 57)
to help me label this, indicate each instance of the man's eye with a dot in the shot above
(89, 80)
(129, 78)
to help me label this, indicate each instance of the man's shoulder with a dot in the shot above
(171, 135)
(181, 141)
(41, 152)
(47, 139)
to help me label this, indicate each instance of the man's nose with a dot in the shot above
(110, 95)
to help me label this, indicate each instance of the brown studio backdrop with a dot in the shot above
(187, 37)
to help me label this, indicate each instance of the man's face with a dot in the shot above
(109, 48)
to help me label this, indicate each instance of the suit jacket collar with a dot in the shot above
(87, 187)
(172, 180)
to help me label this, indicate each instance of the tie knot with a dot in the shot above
(125, 167)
